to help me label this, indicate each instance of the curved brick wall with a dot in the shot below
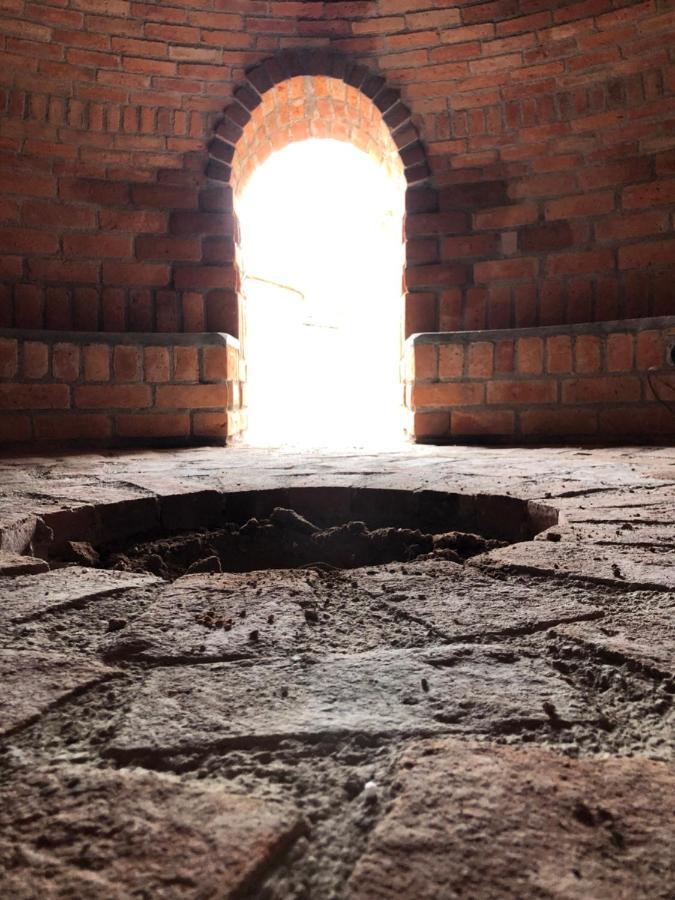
(549, 129)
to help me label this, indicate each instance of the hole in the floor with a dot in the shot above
(332, 527)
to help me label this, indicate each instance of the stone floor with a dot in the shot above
(496, 729)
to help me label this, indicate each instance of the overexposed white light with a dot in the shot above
(322, 259)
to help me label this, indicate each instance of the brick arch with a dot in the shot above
(294, 96)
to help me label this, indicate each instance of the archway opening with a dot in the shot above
(321, 259)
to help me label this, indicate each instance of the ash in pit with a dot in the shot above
(287, 540)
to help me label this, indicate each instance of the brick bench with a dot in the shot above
(119, 389)
(597, 381)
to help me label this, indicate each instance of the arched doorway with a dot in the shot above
(290, 100)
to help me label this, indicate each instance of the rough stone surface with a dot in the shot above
(80, 832)
(551, 668)
(465, 688)
(459, 602)
(14, 564)
(30, 596)
(211, 617)
(643, 634)
(32, 683)
(499, 822)
(596, 562)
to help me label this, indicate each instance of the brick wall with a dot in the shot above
(116, 389)
(548, 128)
(588, 382)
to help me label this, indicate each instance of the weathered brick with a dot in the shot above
(530, 355)
(96, 358)
(192, 396)
(66, 362)
(9, 357)
(619, 352)
(35, 359)
(525, 392)
(620, 389)
(113, 396)
(587, 353)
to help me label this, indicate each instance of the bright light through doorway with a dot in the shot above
(322, 260)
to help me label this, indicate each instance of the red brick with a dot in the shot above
(193, 313)
(587, 353)
(97, 246)
(530, 355)
(494, 270)
(552, 236)
(212, 426)
(432, 276)
(156, 364)
(25, 240)
(96, 359)
(450, 311)
(430, 424)
(619, 352)
(547, 422)
(526, 391)
(471, 245)
(655, 193)
(195, 396)
(651, 253)
(153, 425)
(637, 421)
(592, 204)
(34, 396)
(649, 350)
(160, 248)
(580, 262)
(504, 357)
(419, 313)
(28, 306)
(425, 362)
(126, 363)
(620, 389)
(113, 396)
(478, 422)
(35, 359)
(480, 359)
(451, 360)
(447, 393)
(64, 271)
(69, 426)
(186, 364)
(66, 362)
(14, 429)
(204, 277)
(559, 354)
(215, 364)
(130, 273)
(624, 226)
(9, 357)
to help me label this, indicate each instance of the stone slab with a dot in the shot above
(13, 564)
(639, 568)
(29, 596)
(507, 823)
(461, 602)
(465, 688)
(33, 682)
(220, 617)
(637, 632)
(83, 832)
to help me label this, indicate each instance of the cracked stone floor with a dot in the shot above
(498, 729)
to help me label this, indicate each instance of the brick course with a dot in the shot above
(594, 382)
(62, 384)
